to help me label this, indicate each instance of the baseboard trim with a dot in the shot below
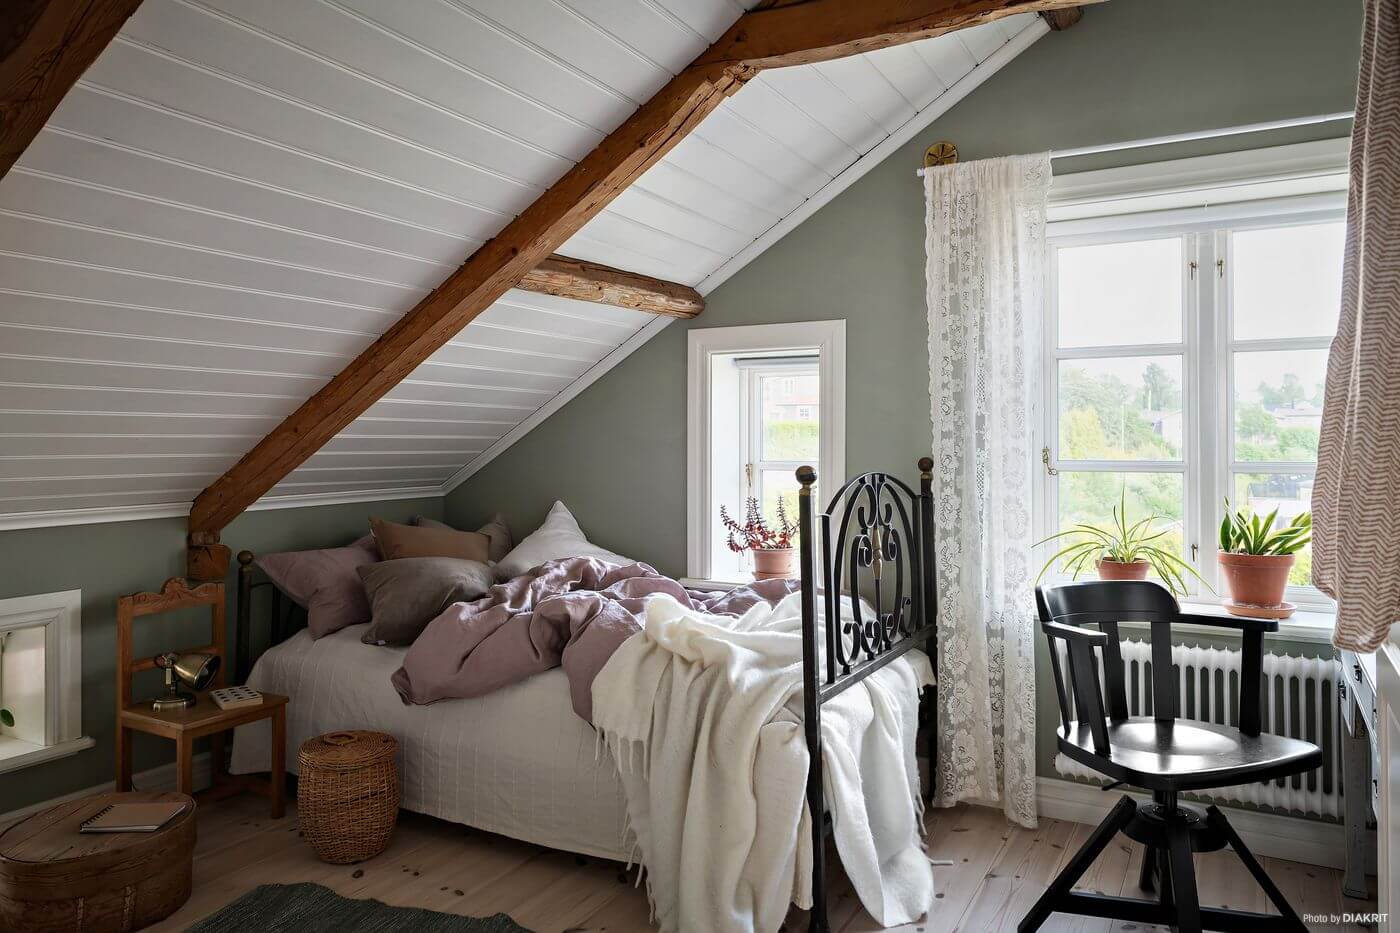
(161, 777)
(1313, 842)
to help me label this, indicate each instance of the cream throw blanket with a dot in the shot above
(703, 716)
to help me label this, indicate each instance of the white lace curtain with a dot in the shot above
(986, 273)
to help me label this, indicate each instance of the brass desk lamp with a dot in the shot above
(195, 670)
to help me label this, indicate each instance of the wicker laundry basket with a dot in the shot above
(348, 794)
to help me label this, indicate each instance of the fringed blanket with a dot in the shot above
(703, 715)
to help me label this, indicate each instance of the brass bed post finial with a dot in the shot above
(807, 477)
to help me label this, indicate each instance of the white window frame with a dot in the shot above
(752, 415)
(828, 340)
(1199, 201)
(59, 615)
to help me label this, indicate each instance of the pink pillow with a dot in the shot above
(326, 583)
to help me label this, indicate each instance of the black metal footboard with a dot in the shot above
(876, 544)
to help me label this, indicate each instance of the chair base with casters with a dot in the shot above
(1161, 754)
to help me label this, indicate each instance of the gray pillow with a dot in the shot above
(408, 593)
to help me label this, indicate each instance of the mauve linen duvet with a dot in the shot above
(571, 613)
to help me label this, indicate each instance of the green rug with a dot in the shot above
(311, 908)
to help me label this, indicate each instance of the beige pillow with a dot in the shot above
(496, 529)
(397, 542)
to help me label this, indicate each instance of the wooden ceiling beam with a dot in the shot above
(45, 46)
(821, 30)
(591, 281)
(817, 30)
(1060, 20)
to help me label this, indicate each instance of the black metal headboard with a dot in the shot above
(285, 616)
(871, 546)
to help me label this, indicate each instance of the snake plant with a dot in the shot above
(1123, 542)
(1242, 531)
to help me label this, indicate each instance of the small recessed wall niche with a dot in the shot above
(41, 678)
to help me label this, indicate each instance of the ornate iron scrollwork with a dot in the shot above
(876, 525)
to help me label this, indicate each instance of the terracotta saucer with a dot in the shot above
(1249, 610)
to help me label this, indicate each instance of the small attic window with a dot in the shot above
(41, 679)
(763, 400)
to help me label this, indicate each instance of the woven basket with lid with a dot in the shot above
(348, 794)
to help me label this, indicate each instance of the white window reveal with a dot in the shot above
(763, 401)
(41, 679)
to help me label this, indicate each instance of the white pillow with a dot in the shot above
(559, 537)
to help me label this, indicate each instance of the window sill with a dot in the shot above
(695, 583)
(17, 753)
(1309, 624)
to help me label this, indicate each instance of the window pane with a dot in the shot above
(791, 416)
(779, 485)
(1121, 409)
(1278, 404)
(1291, 494)
(1120, 293)
(1091, 497)
(1287, 281)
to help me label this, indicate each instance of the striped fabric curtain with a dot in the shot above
(1356, 499)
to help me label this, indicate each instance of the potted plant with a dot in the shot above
(774, 557)
(1121, 552)
(1256, 558)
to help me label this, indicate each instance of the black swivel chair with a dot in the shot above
(1159, 753)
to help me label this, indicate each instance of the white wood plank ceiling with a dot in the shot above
(240, 195)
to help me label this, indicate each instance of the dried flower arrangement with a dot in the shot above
(756, 534)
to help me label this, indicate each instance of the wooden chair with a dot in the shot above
(1159, 753)
(205, 718)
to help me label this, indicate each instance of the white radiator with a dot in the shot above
(1300, 700)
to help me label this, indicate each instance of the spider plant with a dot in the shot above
(1123, 542)
(1244, 532)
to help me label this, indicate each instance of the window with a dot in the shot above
(763, 401)
(41, 678)
(1184, 365)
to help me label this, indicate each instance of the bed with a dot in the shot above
(469, 761)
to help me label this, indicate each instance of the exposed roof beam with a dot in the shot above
(813, 31)
(1060, 20)
(590, 281)
(45, 46)
(821, 30)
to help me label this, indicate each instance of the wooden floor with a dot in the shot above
(997, 873)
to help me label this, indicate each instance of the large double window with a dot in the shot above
(1184, 366)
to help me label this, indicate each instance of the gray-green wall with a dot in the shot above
(110, 560)
(1131, 69)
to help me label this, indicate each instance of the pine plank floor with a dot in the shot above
(998, 871)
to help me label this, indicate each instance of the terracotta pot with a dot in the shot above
(775, 564)
(1256, 579)
(1118, 570)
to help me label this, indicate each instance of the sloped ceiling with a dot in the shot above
(240, 195)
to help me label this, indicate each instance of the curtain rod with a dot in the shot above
(1198, 134)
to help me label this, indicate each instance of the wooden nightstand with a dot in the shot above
(204, 718)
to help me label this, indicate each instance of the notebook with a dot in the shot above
(131, 818)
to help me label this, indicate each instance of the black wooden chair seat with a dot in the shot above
(1184, 755)
(1160, 753)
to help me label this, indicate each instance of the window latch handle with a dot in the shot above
(1045, 459)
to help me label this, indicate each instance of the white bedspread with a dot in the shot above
(518, 762)
(703, 714)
